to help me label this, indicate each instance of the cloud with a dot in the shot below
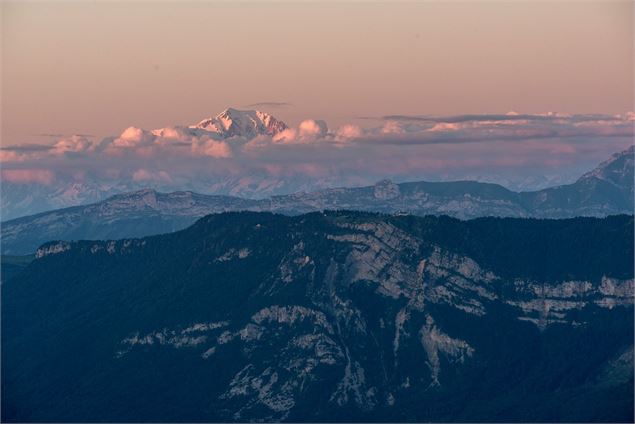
(287, 135)
(510, 116)
(133, 137)
(26, 148)
(212, 148)
(393, 127)
(25, 176)
(170, 141)
(145, 175)
(70, 145)
(11, 156)
(406, 130)
(73, 144)
(311, 129)
(349, 131)
(401, 148)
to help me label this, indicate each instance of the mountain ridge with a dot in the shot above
(231, 137)
(128, 214)
(337, 316)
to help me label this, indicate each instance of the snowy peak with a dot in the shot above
(242, 123)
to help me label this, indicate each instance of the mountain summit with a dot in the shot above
(617, 170)
(242, 123)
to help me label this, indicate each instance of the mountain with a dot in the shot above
(242, 123)
(605, 191)
(18, 199)
(618, 170)
(339, 316)
(135, 214)
(21, 199)
(10, 265)
(247, 174)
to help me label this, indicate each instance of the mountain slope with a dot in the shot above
(617, 170)
(605, 191)
(10, 265)
(327, 317)
(135, 214)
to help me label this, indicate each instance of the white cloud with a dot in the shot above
(73, 144)
(133, 137)
(349, 131)
(12, 156)
(311, 129)
(409, 147)
(287, 135)
(212, 148)
(25, 176)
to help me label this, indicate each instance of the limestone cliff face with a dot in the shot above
(326, 317)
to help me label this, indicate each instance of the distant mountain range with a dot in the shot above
(607, 190)
(20, 199)
(40, 185)
(327, 317)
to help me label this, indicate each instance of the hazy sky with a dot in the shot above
(99, 67)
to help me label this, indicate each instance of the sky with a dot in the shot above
(408, 90)
(98, 67)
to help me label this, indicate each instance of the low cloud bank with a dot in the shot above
(399, 147)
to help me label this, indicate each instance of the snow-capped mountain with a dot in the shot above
(242, 123)
(21, 199)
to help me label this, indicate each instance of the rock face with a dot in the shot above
(327, 317)
(386, 190)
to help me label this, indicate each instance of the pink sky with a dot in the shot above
(370, 90)
(100, 67)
